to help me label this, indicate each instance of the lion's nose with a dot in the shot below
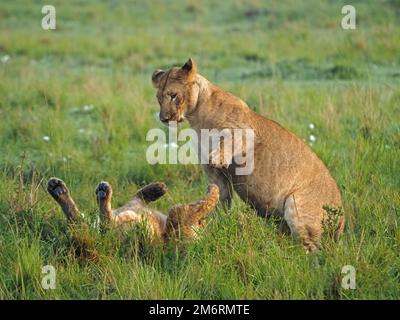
(164, 117)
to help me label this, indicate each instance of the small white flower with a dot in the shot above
(65, 159)
(81, 130)
(5, 58)
(312, 138)
(46, 138)
(311, 126)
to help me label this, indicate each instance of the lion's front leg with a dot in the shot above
(221, 156)
(221, 178)
(59, 191)
(103, 195)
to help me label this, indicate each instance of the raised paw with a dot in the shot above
(56, 187)
(217, 160)
(103, 190)
(213, 189)
(152, 191)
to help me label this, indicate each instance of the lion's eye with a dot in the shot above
(174, 96)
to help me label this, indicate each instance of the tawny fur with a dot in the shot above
(289, 180)
(181, 222)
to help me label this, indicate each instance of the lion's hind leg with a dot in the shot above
(182, 220)
(301, 228)
(59, 191)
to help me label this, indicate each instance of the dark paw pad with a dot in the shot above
(56, 187)
(103, 190)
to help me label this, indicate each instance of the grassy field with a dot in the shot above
(77, 102)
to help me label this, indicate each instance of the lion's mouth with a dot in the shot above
(168, 121)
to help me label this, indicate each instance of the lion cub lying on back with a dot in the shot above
(288, 180)
(182, 220)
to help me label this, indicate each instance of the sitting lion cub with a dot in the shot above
(288, 179)
(182, 220)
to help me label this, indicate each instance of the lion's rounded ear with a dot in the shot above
(190, 69)
(155, 78)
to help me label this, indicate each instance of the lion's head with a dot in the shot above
(176, 91)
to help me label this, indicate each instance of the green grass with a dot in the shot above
(290, 60)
